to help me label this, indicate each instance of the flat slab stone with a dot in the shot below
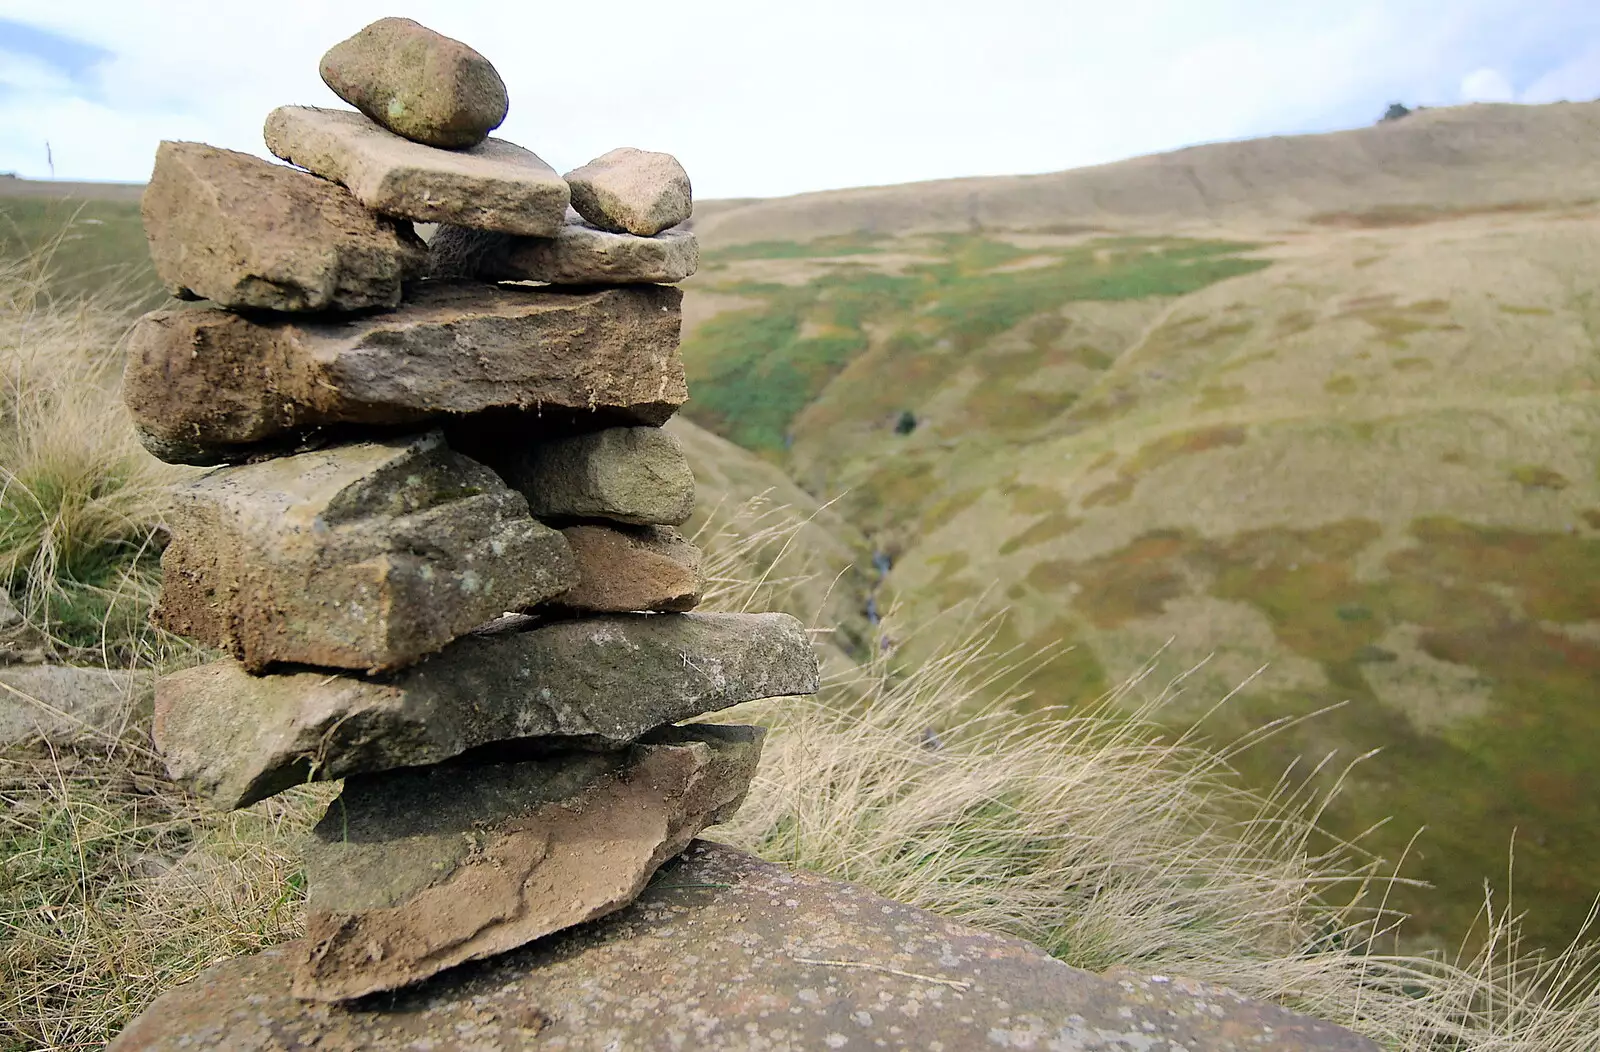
(415, 871)
(579, 254)
(245, 233)
(494, 185)
(65, 704)
(417, 83)
(208, 386)
(632, 191)
(725, 952)
(363, 556)
(632, 568)
(599, 682)
(635, 475)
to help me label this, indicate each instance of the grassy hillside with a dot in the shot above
(1360, 448)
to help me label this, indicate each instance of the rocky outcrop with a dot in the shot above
(632, 191)
(724, 952)
(578, 254)
(206, 386)
(235, 738)
(418, 870)
(634, 475)
(234, 229)
(362, 556)
(423, 85)
(624, 568)
(494, 185)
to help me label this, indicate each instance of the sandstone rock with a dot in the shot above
(579, 254)
(205, 386)
(492, 186)
(415, 871)
(242, 232)
(63, 704)
(235, 738)
(363, 556)
(417, 83)
(635, 475)
(725, 952)
(640, 568)
(632, 191)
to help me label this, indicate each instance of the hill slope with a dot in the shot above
(1327, 404)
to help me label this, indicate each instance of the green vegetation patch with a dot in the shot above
(859, 243)
(753, 371)
(82, 245)
(1482, 599)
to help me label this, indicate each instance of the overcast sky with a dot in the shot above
(762, 98)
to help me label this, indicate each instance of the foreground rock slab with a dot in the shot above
(632, 191)
(412, 872)
(578, 254)
(423, 85)
(724, 952)
(364, 556)
(244, 233)
(66, 704)
(206, 386)
(636, 475)
(235, 738)
(639, 568)
(495, 185)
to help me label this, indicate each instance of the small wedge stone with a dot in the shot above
(423, 85)
(632, 191)
(634, 475)
(234, 738)
(366, 556)
(207, 386)
(639, 568)
(494, 185)
(246, 233)
(412, 872)
(579, 254)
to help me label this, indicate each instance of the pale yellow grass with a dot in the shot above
(80, 499)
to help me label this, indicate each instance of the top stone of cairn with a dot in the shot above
(417, 83)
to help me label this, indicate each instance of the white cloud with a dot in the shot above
(1487, 85)
(1577, 80)
(768, 98)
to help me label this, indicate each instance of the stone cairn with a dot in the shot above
(440, 549)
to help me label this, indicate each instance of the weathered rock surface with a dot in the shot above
(415, 871)
(423, 85)
(632, 191)
(363, 556)
(635, 475)
(204, 386)
(724, 952)
(579, 254)
(63, 704)
(243, 232)
(632, 568)
(600, 682)
(494, 185)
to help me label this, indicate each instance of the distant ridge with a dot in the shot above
(13, 186)
(1462, 158)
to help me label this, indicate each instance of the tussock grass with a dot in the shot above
(116, 886)
(80, 499)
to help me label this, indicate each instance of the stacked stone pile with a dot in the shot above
(440, 549)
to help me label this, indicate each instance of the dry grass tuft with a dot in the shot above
(80, 499)
(116, 886)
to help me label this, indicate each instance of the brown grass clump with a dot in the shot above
(80, 500)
